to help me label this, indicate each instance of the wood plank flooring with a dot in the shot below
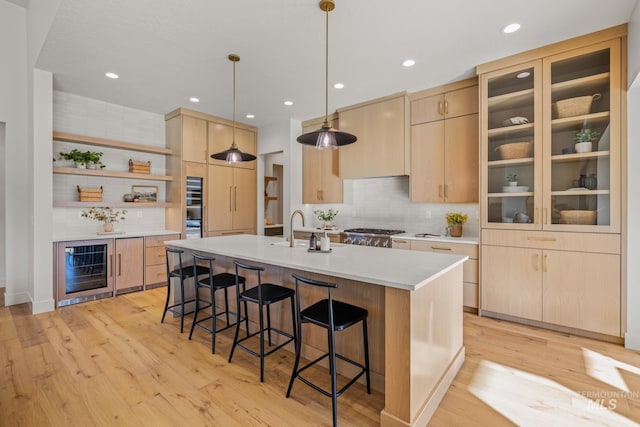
(111, 362)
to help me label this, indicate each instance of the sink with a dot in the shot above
(297, 243)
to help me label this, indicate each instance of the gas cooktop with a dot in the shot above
(373, 231)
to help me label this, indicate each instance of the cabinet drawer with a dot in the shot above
(155, 274)
(150, 241)
(454, 248)
(400, 244)
(581, 242)
(155, 255)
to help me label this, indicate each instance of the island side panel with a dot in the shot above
(424, 350)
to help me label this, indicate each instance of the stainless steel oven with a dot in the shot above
(368, 236)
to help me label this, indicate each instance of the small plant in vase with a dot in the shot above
(106, 215)
(84, 159)
(512, 179)
(326, 217)
(584, 140)
(455, 221)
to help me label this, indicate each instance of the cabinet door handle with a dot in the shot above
(544, 216)
(110, 265)
(446, 107)
(542, 239)
(535, 216)
(440, 190)
(536, 262)
(399, 241)
(230, 199)
(203, 226)
(119, 264)
(440, 108)
(544, 263)
(440, 248)
(446, 191)
(321, 194)
(235, 198)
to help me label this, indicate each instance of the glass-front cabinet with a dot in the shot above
(550, 142)
(512, 145)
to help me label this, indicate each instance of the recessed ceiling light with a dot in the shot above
(339, 85)
(194, 99)
(288, 103)
(250, 116)
(523, 74)
(111, 75)
(408, 63)
(511, 28)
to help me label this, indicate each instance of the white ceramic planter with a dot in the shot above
(584, 147)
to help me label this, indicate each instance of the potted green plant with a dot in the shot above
(84, 159)
(455, 221)
(326, 217)
(584, 140)
(512, 179)
(106, 215)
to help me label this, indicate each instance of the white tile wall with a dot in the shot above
(85, 116)
(385, 203)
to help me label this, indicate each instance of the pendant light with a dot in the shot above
(233, 154)
(326, 137)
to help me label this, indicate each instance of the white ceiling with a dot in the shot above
(166, 51)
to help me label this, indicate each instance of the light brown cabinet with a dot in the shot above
(321, 182)
(194, 139)
(155, 268)
(444, 102)
(543, 238)
(382, 129)
(129, 268)
(470, 268)
(444, 144)
(232, 199)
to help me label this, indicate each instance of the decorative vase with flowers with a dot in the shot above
(455, 221)
(326, 217)
(106, 215)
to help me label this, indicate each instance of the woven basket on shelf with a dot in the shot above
(577, 216)
(90, 194)
(514, 150)
(577, 106)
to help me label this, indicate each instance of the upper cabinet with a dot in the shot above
(321, 182)
(444, 144)
(382, 129)
(194, 138)
(536, 172)
(221, 135)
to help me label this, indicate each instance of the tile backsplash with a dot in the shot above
(385, 203)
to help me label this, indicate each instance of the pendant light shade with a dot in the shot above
(326, 137)
(233, 154)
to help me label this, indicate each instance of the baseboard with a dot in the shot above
(13, 299)
(632, 341)
(43, 306)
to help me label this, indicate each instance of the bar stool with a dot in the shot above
(213, 282)
(181, 273)
(333, 316)
(264, 294)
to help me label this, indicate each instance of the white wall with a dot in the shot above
(2, 207)
(632, 337)
(13, 112)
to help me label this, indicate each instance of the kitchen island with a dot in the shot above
(414, 301)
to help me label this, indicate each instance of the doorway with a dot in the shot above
(273, 177)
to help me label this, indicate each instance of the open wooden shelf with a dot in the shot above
(132, 205)
(586, 84)
(573, 157)
(511, 100)
(580, 192)
(571, 123)
(111, 174)
(510, 162)
(523, 194)
(270, 178)
(90, 140)
(271, 198)
(516, 130)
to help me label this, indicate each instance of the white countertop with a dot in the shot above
(65, 237)
(396, 268)
(444, 239)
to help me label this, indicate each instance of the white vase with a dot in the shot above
(584, 147)
(80, 165)
(513, 183)
(107, 227)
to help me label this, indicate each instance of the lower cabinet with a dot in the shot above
(231, 200)
(470, 268)
(565, 279)
(155, 267)
(129, 270)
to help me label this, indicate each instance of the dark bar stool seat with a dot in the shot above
(181, 273)
(264, 294)
(333, 316)
(213, 282)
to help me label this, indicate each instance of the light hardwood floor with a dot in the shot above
(111, 362)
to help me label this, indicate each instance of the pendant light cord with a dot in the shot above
(326, 71)
(233, 137)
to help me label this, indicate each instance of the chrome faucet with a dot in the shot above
(297, 211)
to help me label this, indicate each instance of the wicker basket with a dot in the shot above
(584, 217)
(90, 194)
(514, 150)
(577, 106)
(139, 167)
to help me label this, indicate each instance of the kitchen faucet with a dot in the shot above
(297, 211)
